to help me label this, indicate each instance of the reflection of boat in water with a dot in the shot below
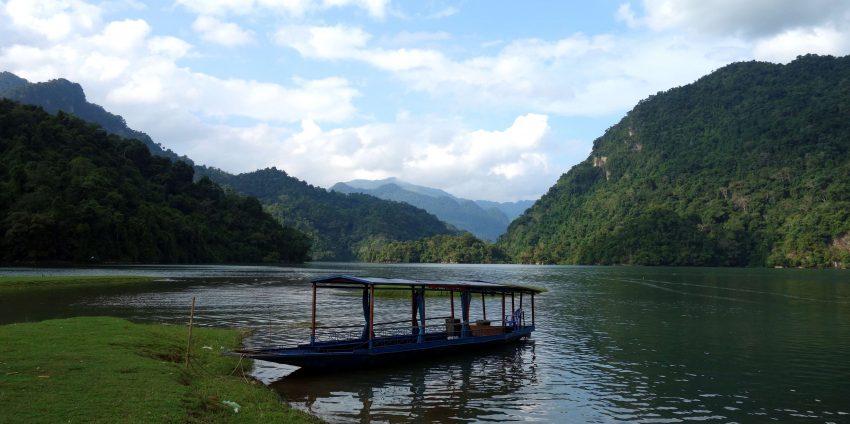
(378, 343)
(468, 388)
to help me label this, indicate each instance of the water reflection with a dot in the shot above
(450, 388)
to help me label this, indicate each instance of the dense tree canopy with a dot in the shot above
(71, 192)
(454, 249)
(749, 166)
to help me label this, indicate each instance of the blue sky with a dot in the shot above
(485, 99)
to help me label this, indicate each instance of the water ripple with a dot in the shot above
(647, 345)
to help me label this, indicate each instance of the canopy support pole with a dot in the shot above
(371, 314)
(522, 316)
(532, 309)
(503, 309)
(313, 318)
(422, 319)
(413, 308)
(483, 306)
(465, 300)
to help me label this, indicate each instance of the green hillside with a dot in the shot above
(748, 166)
(340, 225)
(71, 192)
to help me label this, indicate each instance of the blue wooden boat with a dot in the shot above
(380, 343)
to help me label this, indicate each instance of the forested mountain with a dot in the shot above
(748, 166)
(340, 225)
(464, 214)
(373, 184)
(63, 95)
(71, 192)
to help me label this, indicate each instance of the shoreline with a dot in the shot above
(105, 369)
(108, 369)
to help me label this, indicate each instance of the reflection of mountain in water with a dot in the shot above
(446, 389)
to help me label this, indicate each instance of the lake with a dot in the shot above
(653, 345)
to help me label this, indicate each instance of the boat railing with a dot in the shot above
(516, 319)
(381, 330)
(403, 331)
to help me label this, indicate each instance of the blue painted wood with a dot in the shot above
(356, 354)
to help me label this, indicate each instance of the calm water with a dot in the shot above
(613, 344)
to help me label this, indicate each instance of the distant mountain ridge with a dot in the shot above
(69, 97)
(375, 184)
(511, 209)
(486, 222)
(341, 225)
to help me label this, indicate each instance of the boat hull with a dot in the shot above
(322, 358)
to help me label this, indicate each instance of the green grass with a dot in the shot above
(108, 370)
(20, 283)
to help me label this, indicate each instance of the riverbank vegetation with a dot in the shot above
(748, 166)
(69, 192)
(454, 249)
(51, 282)
(100, 369)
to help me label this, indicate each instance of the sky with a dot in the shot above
(485, 99)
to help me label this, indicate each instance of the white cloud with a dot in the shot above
(168, 47)
(627, 15)
(481, 164)
(53, 20)
(573, 76)
(121, 37)
(324, 42)
(127, 70)
(227, 34)
(751, 18)
(444, 13)
(774, 30)
(786, 46)
(375, 8)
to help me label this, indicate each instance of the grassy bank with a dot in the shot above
(107, 370)
(18, 283)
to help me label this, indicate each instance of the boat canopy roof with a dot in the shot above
(477, 286)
